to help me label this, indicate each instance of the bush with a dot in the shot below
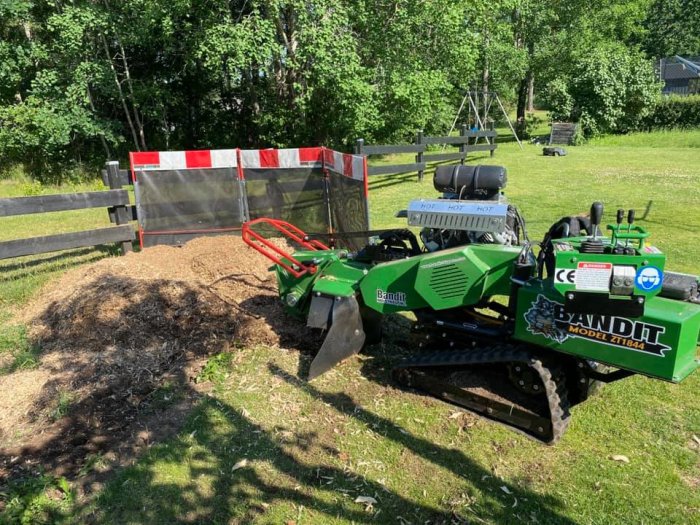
(674, 112)
(557, 98)
(610, 90)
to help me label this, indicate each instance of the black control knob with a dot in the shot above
(596, 216)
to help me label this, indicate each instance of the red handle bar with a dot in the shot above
(277, 254)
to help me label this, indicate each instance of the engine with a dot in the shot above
(471, 210)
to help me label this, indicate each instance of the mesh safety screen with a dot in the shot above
(349, 213)
(295, 195)
(174, 206)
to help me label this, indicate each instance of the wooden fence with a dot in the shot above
(466, 141)
(115, 199)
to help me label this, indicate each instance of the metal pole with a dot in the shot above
(498, 99)
(454, 122)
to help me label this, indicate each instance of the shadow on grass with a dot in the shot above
(237, 494)
(450, 459)
(38, 265)
(377, 182)
(209, 484)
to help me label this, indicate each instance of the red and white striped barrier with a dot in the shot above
(345, 164)
(184, 160)
(349, 165)
(281, 158)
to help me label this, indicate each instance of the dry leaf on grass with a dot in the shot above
(620, 458)
(241, 464)
(366, 500)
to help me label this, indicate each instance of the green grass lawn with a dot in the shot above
(265, 447)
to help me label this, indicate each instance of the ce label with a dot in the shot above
(565, 276)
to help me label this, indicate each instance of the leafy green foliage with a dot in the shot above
(82, 81)
(611, 90)
(674, 112)
(558, 99)
(673, 28)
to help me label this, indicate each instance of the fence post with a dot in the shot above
(419, 155)
(121, 215)
(359, 143)
(463, 130)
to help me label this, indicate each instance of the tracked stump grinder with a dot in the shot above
(513, 330)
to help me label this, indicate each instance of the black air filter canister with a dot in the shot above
(470, 182)
(680, 286)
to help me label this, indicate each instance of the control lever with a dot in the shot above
(596, 217)
(618, 248)
(630, 222)
(593, 244)
(620, 216)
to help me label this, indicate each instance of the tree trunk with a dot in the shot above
(127, 114)
(129, 85)
(522, 104)
(530, 78)
(139, 124)
(27, 30)
(485, 78)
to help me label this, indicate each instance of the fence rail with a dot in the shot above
(66, 241)
(115, 200)
(466, 141)
(62, 202)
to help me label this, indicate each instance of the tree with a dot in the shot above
(611, 90)
(673, 28)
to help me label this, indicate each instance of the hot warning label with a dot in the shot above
(593, 277)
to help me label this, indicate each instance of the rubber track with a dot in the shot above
(551, 376)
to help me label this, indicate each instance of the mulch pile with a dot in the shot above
(114, 333)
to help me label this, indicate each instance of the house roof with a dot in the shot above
(672, 69)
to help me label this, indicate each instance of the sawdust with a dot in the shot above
(114, 332)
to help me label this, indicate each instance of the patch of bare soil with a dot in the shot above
(120, 336)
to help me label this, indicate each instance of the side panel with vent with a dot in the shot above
(440, 280)
(463, 277)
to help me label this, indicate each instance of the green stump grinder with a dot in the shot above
(513, 330)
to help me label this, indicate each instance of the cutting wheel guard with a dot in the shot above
(277, 254)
